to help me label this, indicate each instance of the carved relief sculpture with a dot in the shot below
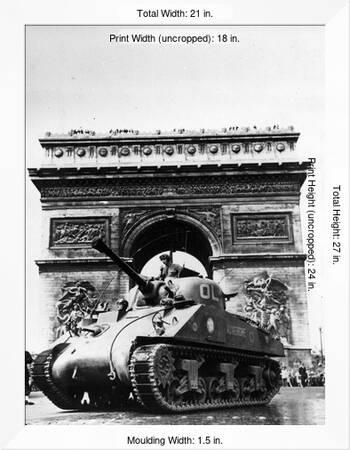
(77, 231)
(253, 227)
(130, 217)
(266, 304)
(77, 302)
(209, 216)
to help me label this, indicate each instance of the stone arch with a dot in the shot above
(204, 242)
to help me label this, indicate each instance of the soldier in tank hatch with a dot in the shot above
(168, 268)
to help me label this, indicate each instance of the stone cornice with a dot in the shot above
(177, 169)
(297, 347)
(257, 256)
(164, 140)
(233, 145)
(41, 263)
(89, 136)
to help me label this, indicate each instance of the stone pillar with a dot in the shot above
(67, 256)
(263, 235)
(231, 271)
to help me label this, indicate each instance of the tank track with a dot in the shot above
(149, 393)
(43, 380)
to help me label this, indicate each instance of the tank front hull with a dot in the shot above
(90, 361)
(82, 363)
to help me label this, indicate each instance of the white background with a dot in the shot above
(335, 288)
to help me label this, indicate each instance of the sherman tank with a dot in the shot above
(172, 345)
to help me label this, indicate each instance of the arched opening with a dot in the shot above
(170, 234)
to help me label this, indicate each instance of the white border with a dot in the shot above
(15, 14)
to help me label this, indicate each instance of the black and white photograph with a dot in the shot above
(172, 273)
(184, 231)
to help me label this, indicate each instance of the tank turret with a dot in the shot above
(174, 348)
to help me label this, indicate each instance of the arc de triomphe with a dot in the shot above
(230, 198)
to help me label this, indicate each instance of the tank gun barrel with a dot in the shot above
(99, 245)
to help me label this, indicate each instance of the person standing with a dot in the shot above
(289, 377)
(28, 361)
(298, 378)
(303, 375)
(284, 376)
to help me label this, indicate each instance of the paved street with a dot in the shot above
(292, 406)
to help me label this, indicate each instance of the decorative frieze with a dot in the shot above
(254, 227)
(79, 232)
(179, 186)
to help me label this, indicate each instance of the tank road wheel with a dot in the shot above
(247, 385)
(200, 394)
(262, 394)
(214, 391)
(272, 378)
(163, 365)
(235, 394)
(174, 393)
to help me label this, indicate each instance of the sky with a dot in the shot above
(76, 78)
